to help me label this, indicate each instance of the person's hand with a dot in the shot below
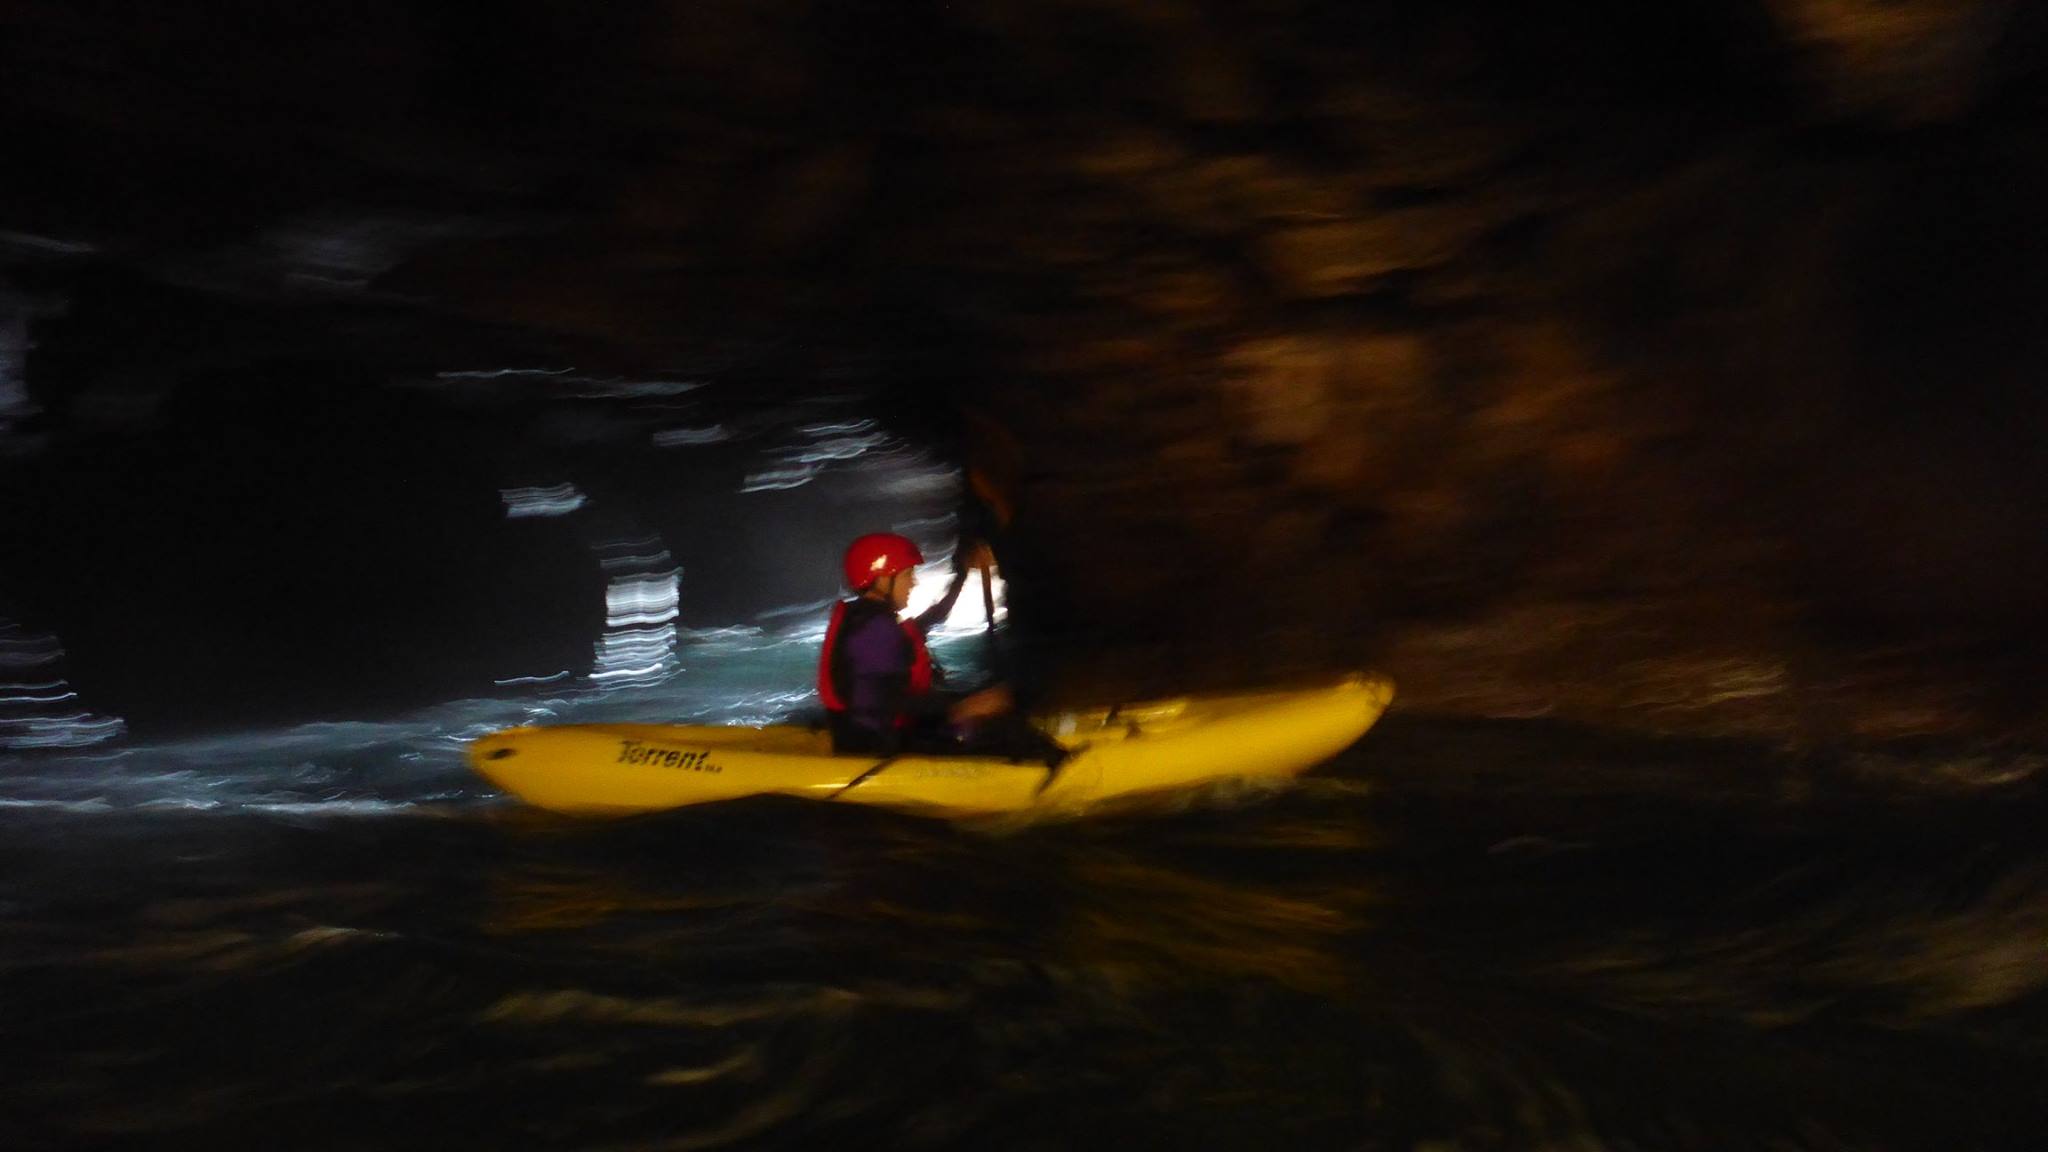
(974, 555)
(984, 705)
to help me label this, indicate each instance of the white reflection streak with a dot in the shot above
(618, 387)
(501, 373)
(24, 721)
(631, 561)
(920, 485)
(642, 600)
(779, 479)
(641, 605)
(842, 429)
(38, 699)
(75, 731)
(559, 500)
(691, 437)
(842, 448)
(531, 679)
(620, 673)
(794, 466)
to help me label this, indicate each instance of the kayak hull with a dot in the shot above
(618, 769)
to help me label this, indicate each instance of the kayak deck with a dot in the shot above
(602, 769)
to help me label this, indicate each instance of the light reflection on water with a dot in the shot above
(1469, 936)
(38, 708)
(728, 676)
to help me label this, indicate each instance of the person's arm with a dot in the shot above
(970, 556)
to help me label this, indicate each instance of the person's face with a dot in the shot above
(899, 588)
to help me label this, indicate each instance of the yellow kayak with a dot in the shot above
(609, 769)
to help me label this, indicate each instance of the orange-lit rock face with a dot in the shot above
(1917, 60)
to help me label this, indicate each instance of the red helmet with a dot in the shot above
(876, 555)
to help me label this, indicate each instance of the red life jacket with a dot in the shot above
(828, 663)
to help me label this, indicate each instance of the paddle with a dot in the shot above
(992, 468)
(998, 662)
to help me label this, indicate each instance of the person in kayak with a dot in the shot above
(881, 690)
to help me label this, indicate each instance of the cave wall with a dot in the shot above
(1666, 365)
